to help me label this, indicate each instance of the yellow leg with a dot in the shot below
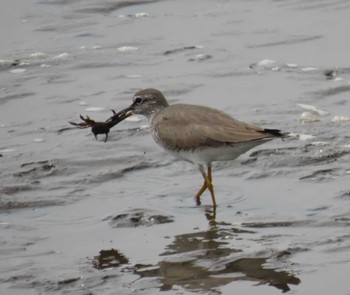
(204, 186)
(200, 192)
(211, 189)
(207, 185)
(209, 173)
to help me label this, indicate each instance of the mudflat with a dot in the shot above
(84, 216)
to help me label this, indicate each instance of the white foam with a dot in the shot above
(320, 143)
(5, 62)
(95, 109)
(133, 119)
(127, 49)
(38, 55)
(17, 71)
(265, 62)
(313, 109)
(308, 117)
(338, 79)
(340, 119)
(7, 150)
(134, 76)
(24, 62)
(301, 136)
(141, 14)
(308, 69)
(63, 55)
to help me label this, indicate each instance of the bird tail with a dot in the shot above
(275, 132)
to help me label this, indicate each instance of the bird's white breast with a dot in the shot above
(205, 155)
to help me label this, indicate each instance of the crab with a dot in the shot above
(100, 127)
(103, 127)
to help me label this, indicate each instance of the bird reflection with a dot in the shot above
(206, 260)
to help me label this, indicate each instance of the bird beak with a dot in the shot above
(122, 115)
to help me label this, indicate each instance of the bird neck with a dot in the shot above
(154, 112)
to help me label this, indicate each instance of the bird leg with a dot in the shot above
(210, 186)
(206, 185)
(200, 192)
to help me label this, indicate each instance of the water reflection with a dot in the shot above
(206, 260)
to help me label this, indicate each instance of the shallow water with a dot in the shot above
(67, 200)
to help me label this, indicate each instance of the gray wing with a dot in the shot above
(189, 126)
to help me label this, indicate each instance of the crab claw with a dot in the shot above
(87, 122)
(79, 125)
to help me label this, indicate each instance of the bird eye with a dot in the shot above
(138, 100)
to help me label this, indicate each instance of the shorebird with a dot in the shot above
(194, 133)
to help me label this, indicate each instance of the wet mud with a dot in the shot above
(82, 216)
